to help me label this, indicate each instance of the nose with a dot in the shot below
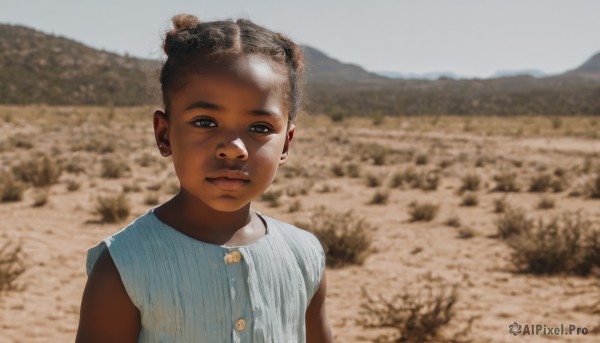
(232, 149)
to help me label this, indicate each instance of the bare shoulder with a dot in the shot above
(107, 313)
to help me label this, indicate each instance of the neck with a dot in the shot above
(187, 214)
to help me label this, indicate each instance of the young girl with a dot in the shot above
(205, 266)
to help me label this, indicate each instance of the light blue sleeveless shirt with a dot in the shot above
(190, 291)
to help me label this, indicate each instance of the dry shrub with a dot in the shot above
(103, 146)
(373, 180)
(146, 160)
(374, 152)
(421, 159)
(500, 204)
(272, 197)
(466, 233)
(353, 170)
(380, 197)
(20, 141)
(73, 185)
(113, 209)
(470, 182)
(11, 189)
(40, 197)
(592, 188)
(113, 168)
(567, 243)
(512, 221)
(506, 181)
(415, 315)
(540, 183)
(40, 171)
(469, 199)
(344, 236)
(151, 199)
(545, 203)
(453, 221)
(422, 211)
(424, 180)
(338, 169)
(295, 206)
(11, 267)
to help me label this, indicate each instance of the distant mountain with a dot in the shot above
(40, 68)
(589, 70)
(324, 69)
(434, 75)
(522, 72)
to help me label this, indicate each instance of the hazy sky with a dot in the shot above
(470, 38)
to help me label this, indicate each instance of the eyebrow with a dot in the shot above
(210, 106)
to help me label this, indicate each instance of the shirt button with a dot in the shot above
(237, 256)
(228, 258)
(240, 324)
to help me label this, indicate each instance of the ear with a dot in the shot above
(286, 147)
(161, 132)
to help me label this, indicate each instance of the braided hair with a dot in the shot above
(191, 39)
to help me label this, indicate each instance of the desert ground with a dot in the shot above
(432, 209)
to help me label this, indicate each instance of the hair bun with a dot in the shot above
(184, 22)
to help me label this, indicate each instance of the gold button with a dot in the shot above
(237, 256)
(228, 258)
(240, 325)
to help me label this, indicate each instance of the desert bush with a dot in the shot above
(466, 233)
(545, 203)
(40, 197)
(73, 185)
(113, 209)
(146, 160)
(429, 181)
(500, 204)
(295, 206)
(512, 221)
(469, 199)
(338, 169)
(592, 187)
(506, 182)
(380, 197)
(421, 159)
(374, 152)
(151, 199)
(272, 197)
(453, 221)
(40, 171)
(422, 211)
(346, 239)
(20, 141)
(470, 182)
(567, 243)
(113, 168)
(11, 189)
(397, 180)
(416, 315)
(558, 184)
(373, 180)
(12, 265)
(353, 170)
(540, 183)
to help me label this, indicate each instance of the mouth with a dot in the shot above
(229, 179)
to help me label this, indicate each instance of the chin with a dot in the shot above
(228, 205)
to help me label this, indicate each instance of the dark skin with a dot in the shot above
(204, 141)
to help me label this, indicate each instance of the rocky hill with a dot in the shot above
(39, 68)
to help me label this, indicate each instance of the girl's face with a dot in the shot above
(227, 131)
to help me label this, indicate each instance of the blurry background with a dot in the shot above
(448, 158)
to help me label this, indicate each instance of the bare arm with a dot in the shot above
(107, 313)
(317, 325)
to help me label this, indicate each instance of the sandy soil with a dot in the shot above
(406, 254)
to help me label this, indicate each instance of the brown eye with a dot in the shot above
(204, 122)
(261, 128)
